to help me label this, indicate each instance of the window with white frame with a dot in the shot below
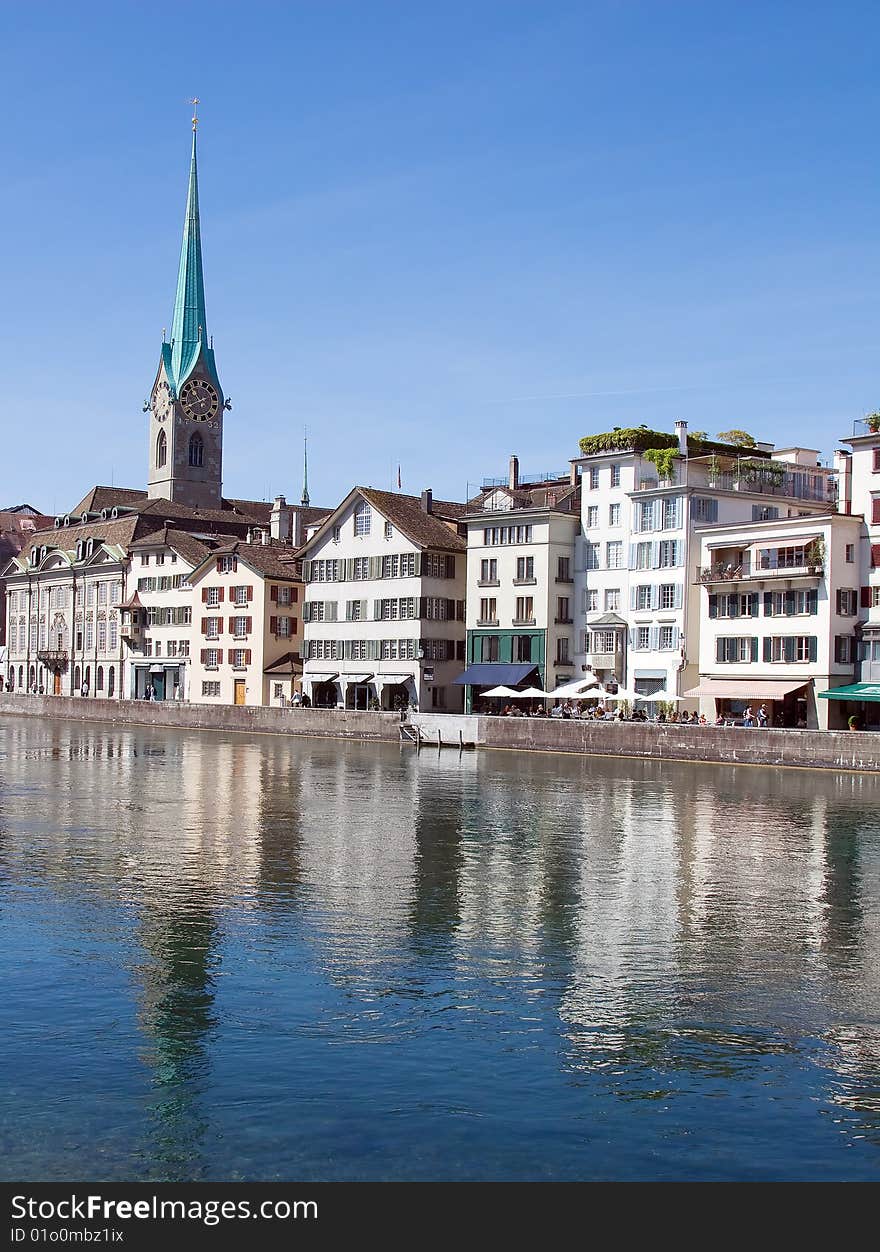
(239, 627)
(591, 555)
(239, 657)
(102, 636)
(612, 600)
(875, 597)
(594, 477)
(667, 638)
(113, 625)
(337, 533)
(210, 689)
(591, 600)
(488, 607)
(115, 592)
(668, 555)
(226, 564)
(847, 602)
(525, 609)
(850, 553)
(614, 554)
(489, 570)
(183, 647)
(284, 631)
(525, 567)
(388, 610)
(735, 649)
(362, 518)
(360, 568)
(592, 516)
(213, 597)
(671, 513)
(644, 596)
(90, 634)
(389, 531)
(212, 627)
(603, 641)
(643, 638)
(667, 595)
(239, 595)
(171, 648)
(643, 556)
(615, 475)
(645, 515)
(614, 515)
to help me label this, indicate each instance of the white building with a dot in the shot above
(636, 592)
(780, 605)
(520, 582)
(384, 617)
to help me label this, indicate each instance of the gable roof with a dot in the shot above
(272, 560)
(436, 529)
(192, 550)
(107, 498)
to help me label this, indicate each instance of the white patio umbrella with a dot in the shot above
(620, 694)
(574, 689)
(661, 695)
(531, 693)
(501, 693)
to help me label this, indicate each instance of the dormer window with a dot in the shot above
(362, 518)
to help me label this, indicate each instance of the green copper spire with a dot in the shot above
(189, 325)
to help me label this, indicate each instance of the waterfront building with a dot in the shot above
(17, 524)
(521, 536)
(643, 495)
(779, 609)
(247, 624)
(859, 476)
(384, 609)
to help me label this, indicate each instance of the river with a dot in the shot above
(228, 957)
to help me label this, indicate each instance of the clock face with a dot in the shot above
(161, 401)
(199, 400)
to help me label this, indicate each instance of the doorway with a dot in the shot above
(157, 681)
(239, 690)
(56, 686)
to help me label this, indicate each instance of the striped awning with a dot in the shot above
(747, 688)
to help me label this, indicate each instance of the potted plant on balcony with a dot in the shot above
(873, 422)
(815, 555)
(664, 459)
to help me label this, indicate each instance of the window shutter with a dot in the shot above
(654, 638)
(459, 610)
(839, 602)
(250, 593)
(218, 564)
(306, 611)
(789, 604)
(346, 649)
(248, 625)
(838, 649)
(655, 553)
(866, 597)
(231, 625)
(247, 656)
(788, 648)
(632, 556)
(273, 625)
(222, 596)
(204, 595)
(767, 648)
(203, 655)
(450, 567)
(754, 648)
(875, 555)
(632, 597)
(375, 650)
(719, 650)
(814, 648)
(273, 594)
(234, 564)
(418, 564)
(377, 610)
(733, 606)
(375, 567)
(332, 612)
(450, 610)
(813, 601)
(678, 596)
(363, 605)
(423, 606)
(294, 595)
(340, 571)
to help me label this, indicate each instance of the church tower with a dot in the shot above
(186, 404)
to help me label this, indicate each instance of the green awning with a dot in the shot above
(855, 691)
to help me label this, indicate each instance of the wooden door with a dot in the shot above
(239, 691)
(57, 686)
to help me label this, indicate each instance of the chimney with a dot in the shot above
(250, 536)
(427, 500)
(681, 429)
(513, 473)
(573, 473)
(265, 538)
(279, 521)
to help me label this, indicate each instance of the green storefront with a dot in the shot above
(505, 647)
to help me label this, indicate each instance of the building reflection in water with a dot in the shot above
(665, 921)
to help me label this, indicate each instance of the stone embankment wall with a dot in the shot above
(320, 722)
(807, 749)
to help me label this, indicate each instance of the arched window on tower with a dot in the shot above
(161, 449)
(196, 451)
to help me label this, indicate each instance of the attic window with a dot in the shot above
(362, 518)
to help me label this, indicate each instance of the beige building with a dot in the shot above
(247, 624)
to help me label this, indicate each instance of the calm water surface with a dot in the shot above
(247, 958)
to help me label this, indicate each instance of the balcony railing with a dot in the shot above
(523, 621)
(603, 660)
(563, 621)
(745, 570)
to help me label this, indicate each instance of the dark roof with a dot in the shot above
(192, 550)
(27, 510)
(274, 560)
(255, 510)
(289, 663)
(436, 529)
(65, 538)
(565, 498)
(310, 516)
(106, 498)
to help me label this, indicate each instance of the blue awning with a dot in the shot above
(495, 674)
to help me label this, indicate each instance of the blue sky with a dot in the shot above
(436, 233)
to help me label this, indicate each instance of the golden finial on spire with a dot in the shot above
(195, 104)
